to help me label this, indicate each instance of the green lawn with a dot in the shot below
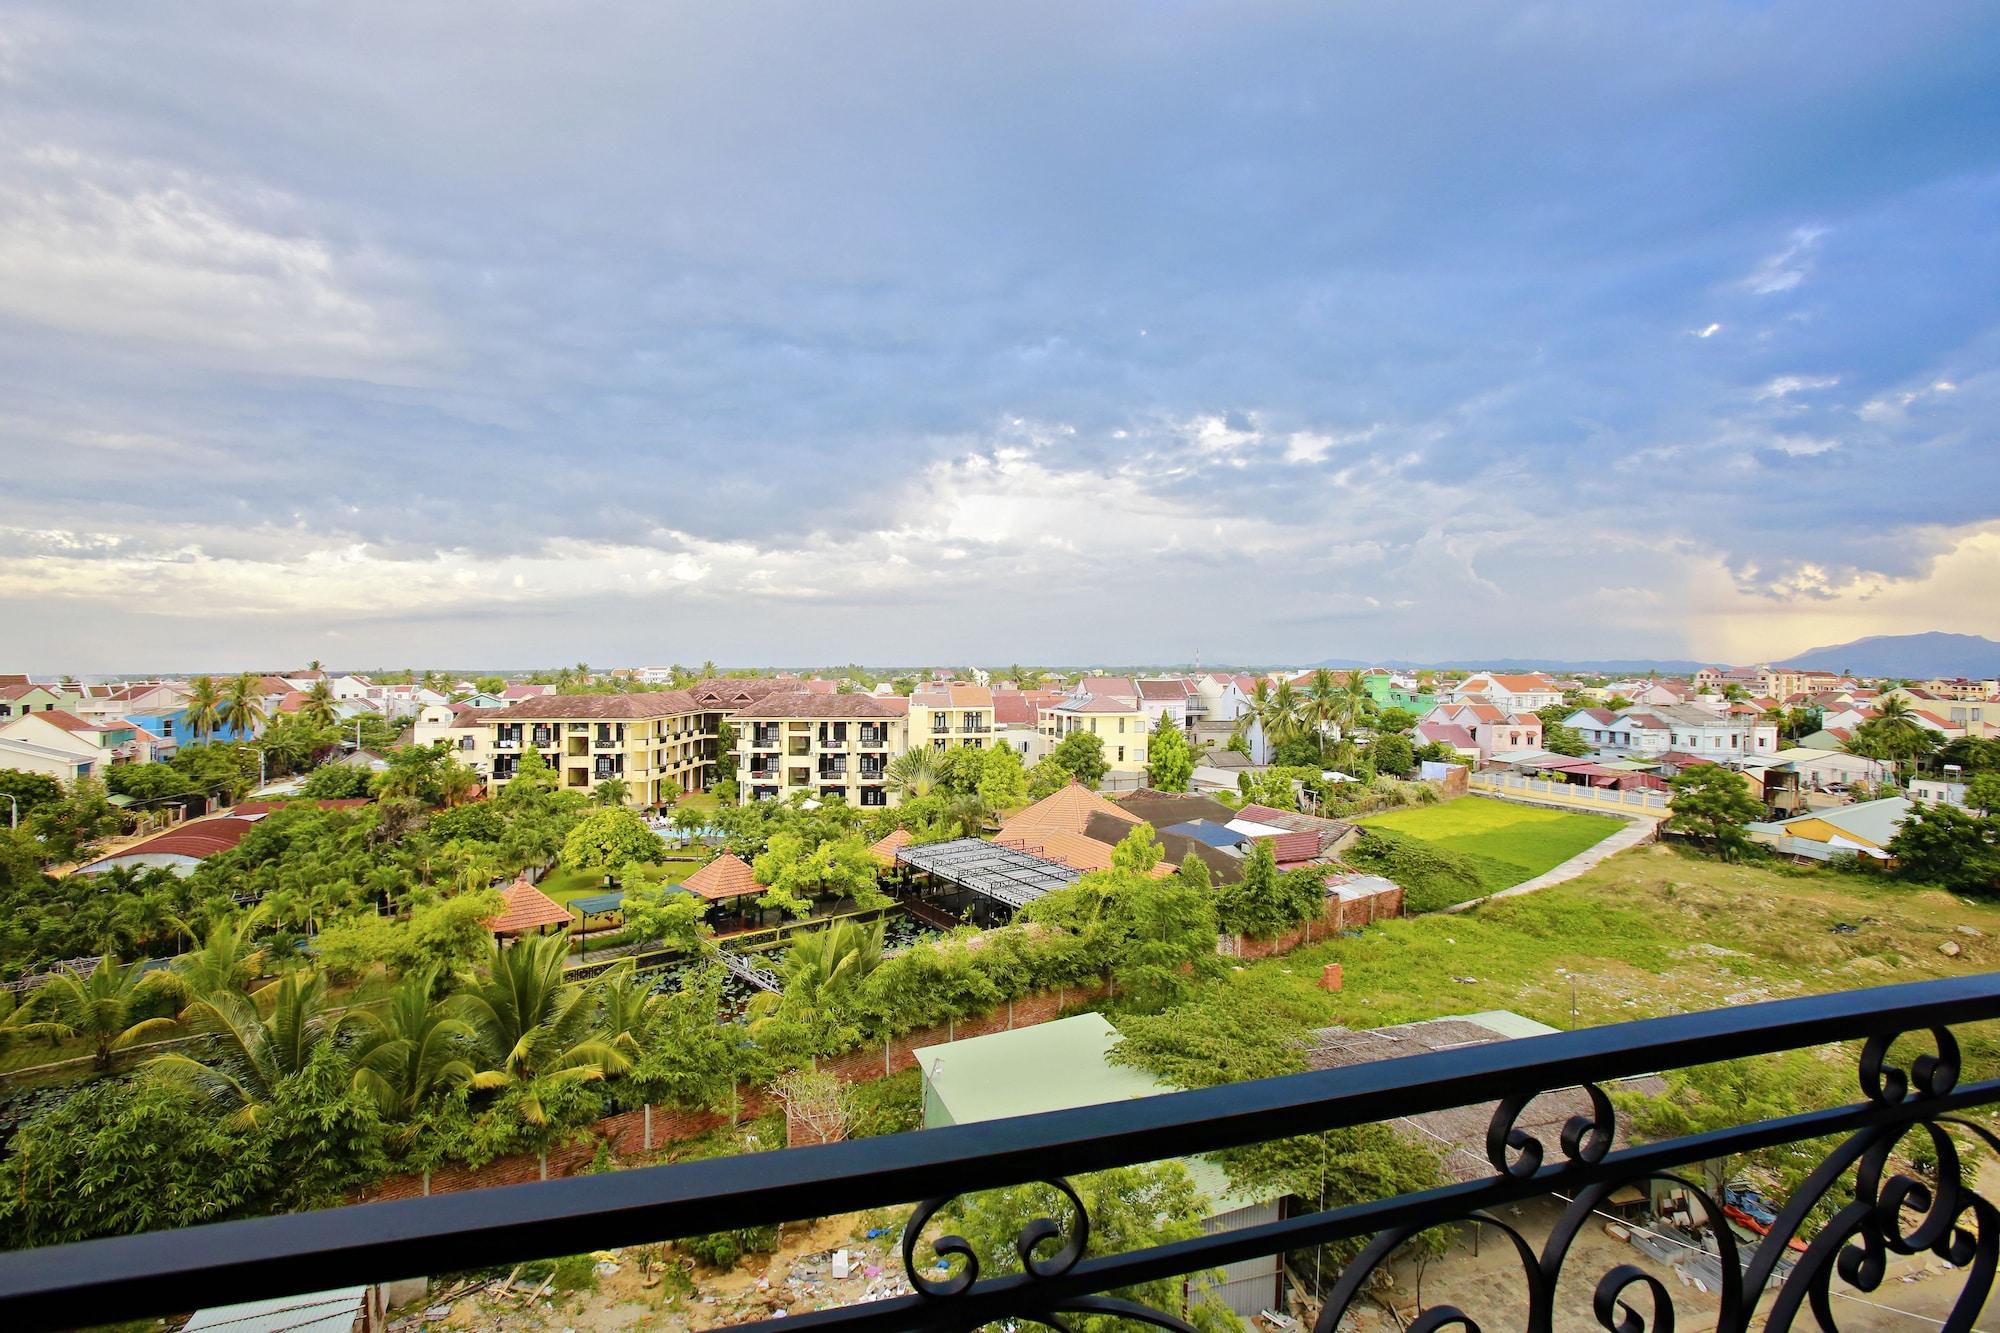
(1509, 843)
(1650, 931)
(564, 884)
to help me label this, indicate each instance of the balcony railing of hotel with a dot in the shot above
(1914, 1105)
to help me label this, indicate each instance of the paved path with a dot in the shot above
(1635, 832)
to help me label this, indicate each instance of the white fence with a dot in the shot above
(1570, 793)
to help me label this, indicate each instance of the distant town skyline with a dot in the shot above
(467, 333)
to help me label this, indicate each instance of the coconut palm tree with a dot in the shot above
(823, 974)
(263, 1042)
(99, 1008)
(410, 1048)
(686, 820)
(318, 706)
(969, 812)
(1321, 706)
(225, 958)
(242, 705)
(630, 1005)
(22, 1018)
(529, 1024)
(914, 773)
(204, 707)
(610, 791)
(456, 783)
(1275, 710)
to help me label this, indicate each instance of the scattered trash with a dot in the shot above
(842, 1266)
(1466, 981)
(873, 1232)
(1949, 949)
(1843, 928)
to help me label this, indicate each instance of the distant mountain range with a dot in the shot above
(1916, 656)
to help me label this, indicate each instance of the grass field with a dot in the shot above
(563, 885)
(1650, 931)
(1509, 842)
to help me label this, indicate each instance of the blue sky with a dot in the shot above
(799, 333)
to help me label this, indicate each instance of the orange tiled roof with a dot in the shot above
(526, 908)
(885, 849)
(727, 876)
(1065, 811)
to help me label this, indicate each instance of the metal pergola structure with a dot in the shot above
(1005, 875)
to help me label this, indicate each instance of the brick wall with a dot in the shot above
(626, 1131)
(1337, 915)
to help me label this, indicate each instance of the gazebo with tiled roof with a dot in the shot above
(724, 879)
(526, 910)
(885, 848)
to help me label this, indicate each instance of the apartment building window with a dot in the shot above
(1121, 754)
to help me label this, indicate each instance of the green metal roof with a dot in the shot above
(1048, 1067)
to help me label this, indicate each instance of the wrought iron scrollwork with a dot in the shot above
(1585, 1138)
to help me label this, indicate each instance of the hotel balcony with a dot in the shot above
(1891, 1180)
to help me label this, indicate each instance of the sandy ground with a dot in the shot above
(798, 1277)
(1917, 1293)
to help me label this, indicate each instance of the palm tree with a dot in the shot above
(456, 783)
(610, 791)
(913, 774)
(1275, 711)
(410, 1048)
(686, 820)
(242, 707)
(20, 1018)
(1322, 706)
(823, 973)
(260, 1049)
(225, 960)
(204, 707)
(630, 1005)
(99, 1008)
(969, 812)
(318, 706)
(529, 1024)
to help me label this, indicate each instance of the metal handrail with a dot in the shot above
(126, 1277)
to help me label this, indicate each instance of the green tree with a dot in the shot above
(318, 706)
(816, 1013)
(225, 957)
(242, 705)
(411, 1048)
(610, 791)
(261, 1042)
(687, 1059)
(613, 836)
(1081, 755)
(1393, 754)
(125, 1156)
(1338, 1169)
(913, 774)
(70, 829)
(662, 915)
(1003, 782)
(1169, 760)
(1047, 778)
(1704, 1098)
(1713, 804)
(204, 708)
(1558, 739)
(30, 790)
(837, 868)
(1266, 902)
(1942, 844)
(106, 1007)
(1983, 793)
(530, 1026)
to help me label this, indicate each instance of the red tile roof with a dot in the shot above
(247, 808)
(69, 721)
(1165, 689)
(885, 848)
(1067, 810)
(727, 876)
(1293, 849)
(527, 908)
(201, 839)
(606, 707)
(802, 704)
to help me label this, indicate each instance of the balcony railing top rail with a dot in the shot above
(126, 1277)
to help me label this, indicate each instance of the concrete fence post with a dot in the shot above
(646, 1138)
(1010, 1015)
(427, 1182)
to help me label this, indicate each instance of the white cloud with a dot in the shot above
(1307, 446)
(1786, 385)
(1786, 269)
(129, 249)
(1708, 332)
(1802, 446)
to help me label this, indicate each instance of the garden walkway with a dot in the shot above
(1635, 832)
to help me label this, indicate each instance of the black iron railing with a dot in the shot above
(1879, 1212)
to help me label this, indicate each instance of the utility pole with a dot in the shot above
(14, 821)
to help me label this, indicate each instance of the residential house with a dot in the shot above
(22, 697)
(1168, 701)
(829, 745)
(1116, 720)
(1937, 792)
(1515, 693)
(113, 740)
(1821, 769)
(1656, 730)
(662, 745)
(1863, 829)
(1389, 690)
(950, 715)
(1017, 722)
(65, 763)
(461, 728)
(1490, 728)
